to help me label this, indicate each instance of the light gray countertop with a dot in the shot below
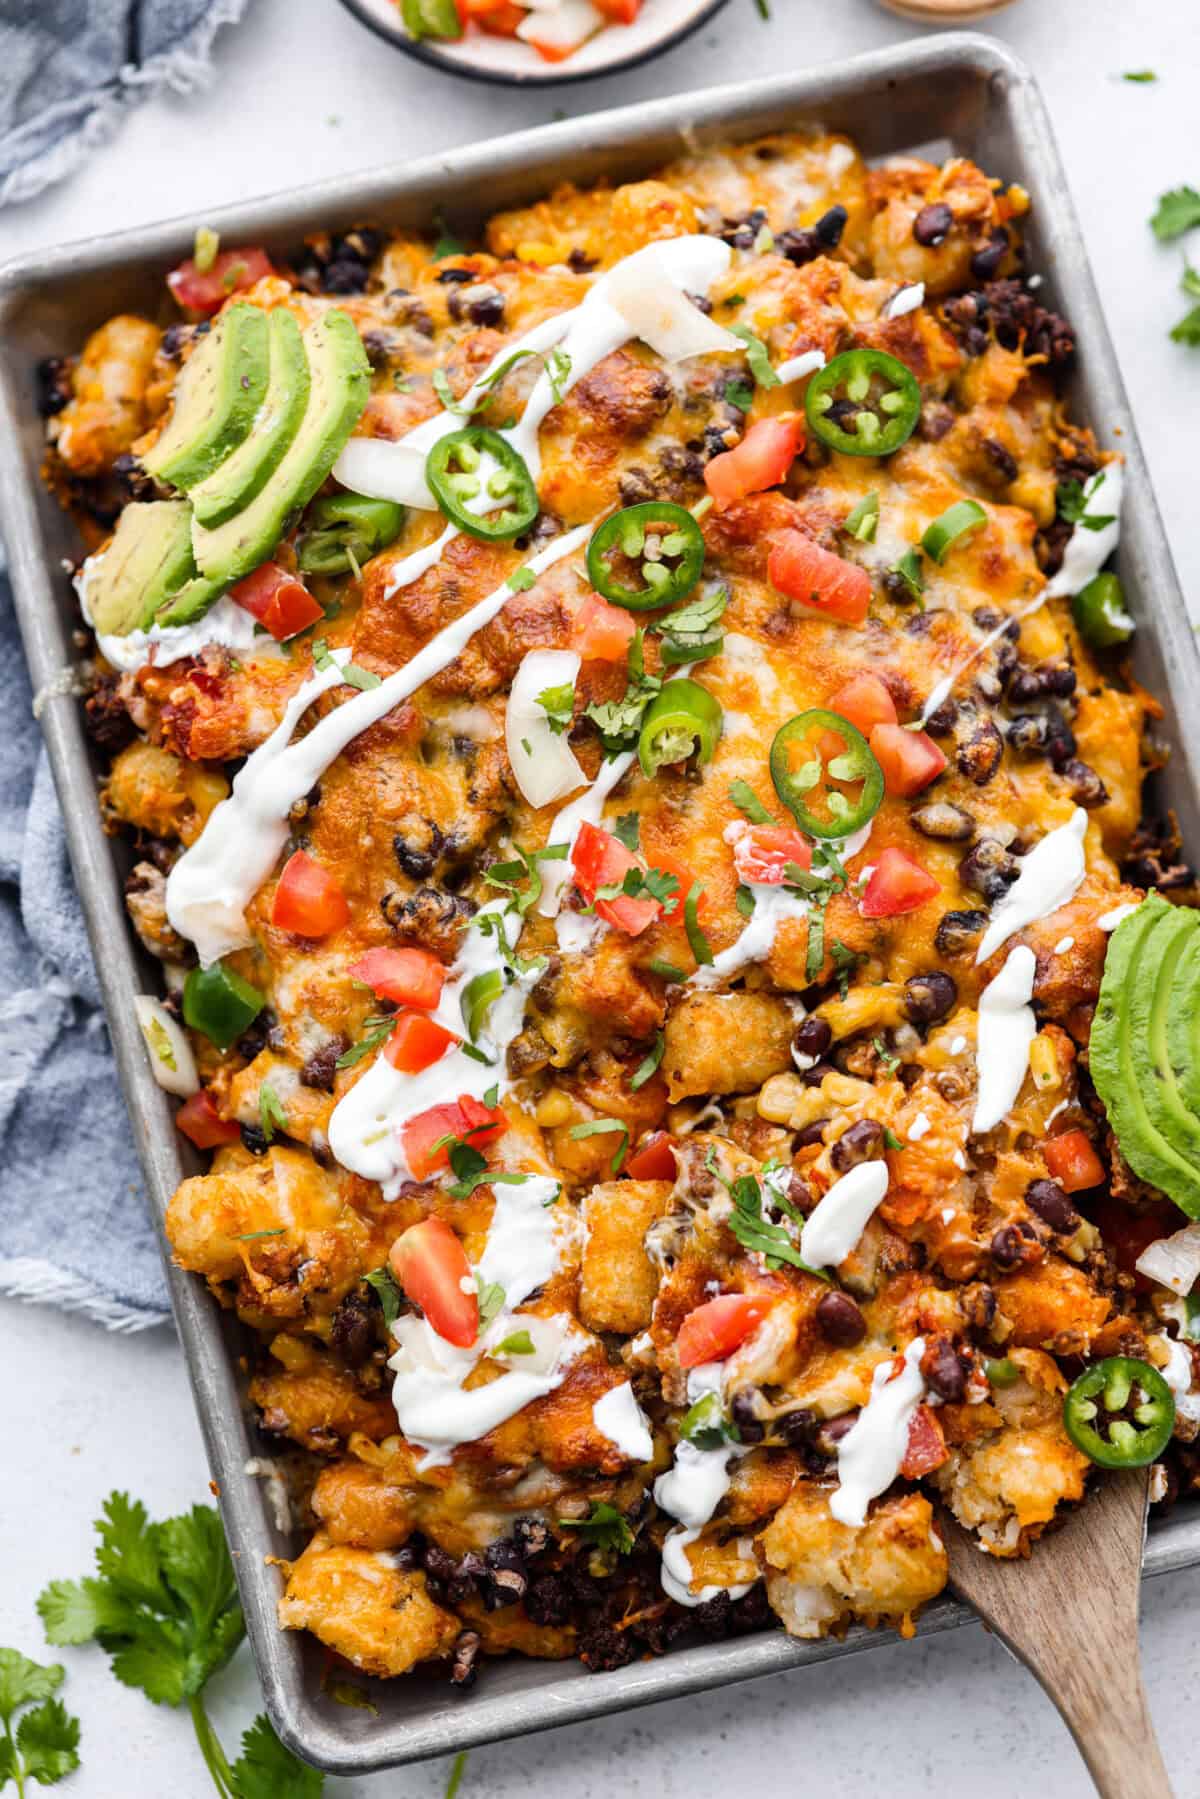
(303, 92)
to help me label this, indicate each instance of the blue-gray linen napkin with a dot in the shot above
(71, 69)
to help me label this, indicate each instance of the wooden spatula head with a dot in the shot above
(1070, 1613)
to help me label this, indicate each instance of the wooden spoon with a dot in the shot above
(944, 12)
(1070, 1613)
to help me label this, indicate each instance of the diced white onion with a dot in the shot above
(1173, 1261)
(542, 761)
(383, 470)
(662, 315)
(570, 24)
(171, 1060)
(905, 299)
(796, 367)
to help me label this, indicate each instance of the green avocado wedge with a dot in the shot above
(339, 385)
(246, 470)
(217, 395)
(1143, 1047)
(148, 560)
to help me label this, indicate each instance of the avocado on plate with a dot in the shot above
(217, 395)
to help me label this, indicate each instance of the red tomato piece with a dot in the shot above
(412, 977)
(308, 901)
(602, 633)
(600, 860)
(207, 292)
(898, 884)
(761, 460)
(431, 1265)
(281, 603)
(926, 1445)
(417, 1041)
(865, 700)
(654, 1161)
(715, 1329)
(200, 1123)
(802, 570)
(763, 852)
(1073, 1162)
(621, 12)
(464, 1117)
(499, 17)
(910, 760)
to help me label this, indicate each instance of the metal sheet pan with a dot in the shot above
(960, 92)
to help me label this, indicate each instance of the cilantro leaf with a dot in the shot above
(519, 1343)
(909, 570)
(23, 1681)
(641, 883)
(558, 372)
(627, 830)
(620, 721)
(271, 1115)
(706, 1425)
(739, 394)
(1187, 331)
(1178, 211)
(558, 703)
(649, 1064)
(757, 355)
(1073, 499)
(511, 877)
(491, 1301)
(698, 943)
(48, 1743)
(1139, 75)
(44, 1744)
(352, 676)
(744, 900)
(378, 1030)
(844, 963)
(266, 1770)
(689, 634)
(749, 804)
(604, 1527)
(595, 1127)
(521, 579)
(749, 1224)
(384, 1286)
(891, 1141)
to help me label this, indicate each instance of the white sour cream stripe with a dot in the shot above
(1007, 1028)
(691, 1490)
(837, 1222)
(214, 881)
(226, 623)
(870, 1454)
(1050, 876)
(618, 1416)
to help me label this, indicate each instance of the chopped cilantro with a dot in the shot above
(558, 371)
(649, 1065)
(627, 830)
(1073, 499)
(445, 393)
(891, 1141)
(378, 1029)
(558, 703)
(752, 1229)
(701, 948)
(888, 1057)
(521, 579)
(595, 1127)
(743, 899)
(739, 394)
(1139, 75)
(706, 1425)
(522, 879)
(1177, 211)
(447, 244)
(604, 1527)
(255, 1236)
(909, 570)
(641, 883)
(520, 1343)
(491, 1301)
(757, 355)
(749, 804)
(271, 1115)
(383, 1284)
(844, 963)
(362, 678)
(667, 971)
(689, 634)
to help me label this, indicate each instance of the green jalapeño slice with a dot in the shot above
(815, 758)
(683, 720)
(459, 477)
(646, 556)
(1120, 1412)
(863, 403)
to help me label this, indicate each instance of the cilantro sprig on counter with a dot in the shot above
(163, 1604)
(1178, 211)
(41, 1745)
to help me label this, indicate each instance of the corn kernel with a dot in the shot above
(1043, 1063)
(542, 254)
(553, 1109)
(779, 1097)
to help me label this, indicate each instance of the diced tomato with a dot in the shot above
(281, 604)
(602, 633)
(499, 17)
(1073, 1162)
(803, 571)
(308, 901)
(465, 1117)
(910, 760)
(864, 700)
(600, 860)
(412, 977)
(231, 271)
(621, 12)
(926, 1445)
(898, 884)
(431, 1265)
(198, 1120)
(654, 1161)
(763, 852)
(417, 1041)
(761, 460)
(715, 1329)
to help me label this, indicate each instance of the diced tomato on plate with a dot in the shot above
(654, 1161)
(466, 1118)
(1073, 1162)
(279, 601)
(308, 901)
(910, 760)
(800, 569)
(761, 460)
(718, 1327)
(417, 1042)
(410, 977)
(206, 291)
(897, 884)
(601, 860)
(201, 1124)
(926, 1445)
(430, 1263)
(865, 701)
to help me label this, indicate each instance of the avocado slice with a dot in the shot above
(1147, 1095)
(217, 394)
(340, 382)
(149, 558)
(246, 470)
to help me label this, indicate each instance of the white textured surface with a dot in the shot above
(305, 92)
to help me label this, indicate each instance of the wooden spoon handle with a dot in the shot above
(1116, 1737)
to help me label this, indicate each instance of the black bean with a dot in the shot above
(742, 232)
(636, 487)
(579, 262)
(418, 850)
(1060, 738)
(929, 997)
(860, 1142)
(812, 1133)
(840, 1320)
(944, 822)
(351, 1331)
(988, 869)
(830, 226)
(812, 1077)
(1029, 733)
(833, 1430)
(506, 1577)
(978, 756)
(253, 1041)
(1084, 784)
(531, 1535)
(743, 1410)
(106, 717)
(1052, 1206)
(1048, 678)
(943, 718)
(932, 224)
(1001, 458)
(466, 1653)
(943, 1371)
(1008, 1246)
(321, 1068)
(958, 932)
(812, 1038)
(550, 1599)
(985, 263)
(486, 308)
(796, 1427)
(254, 1139)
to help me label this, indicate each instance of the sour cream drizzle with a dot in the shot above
(870, 1454)
(691, 1490)
(225, 623)
(833, 1228)
(618, 1416)
(214, 881)
(1050, 876)
(1007, 1028)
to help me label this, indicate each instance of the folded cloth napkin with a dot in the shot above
(74, 1230)
(71, 69)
